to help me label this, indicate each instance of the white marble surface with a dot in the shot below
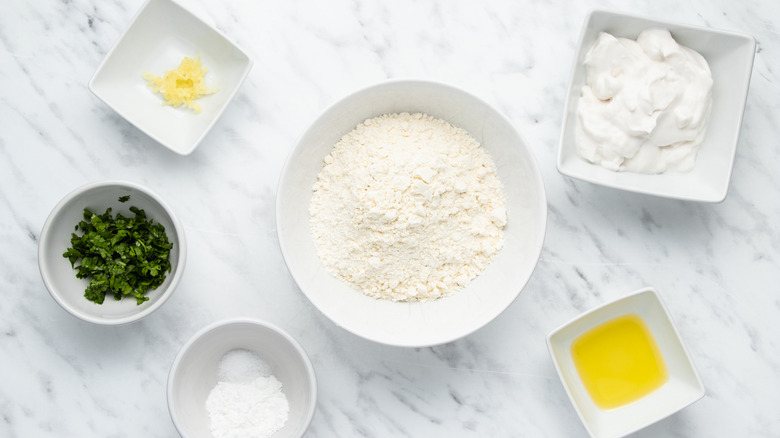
(716, 266)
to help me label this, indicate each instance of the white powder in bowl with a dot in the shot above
(407, 207)
(241, 366)
(247, 401)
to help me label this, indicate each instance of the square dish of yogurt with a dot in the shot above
(655, 107)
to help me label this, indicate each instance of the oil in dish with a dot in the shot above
(619, 361)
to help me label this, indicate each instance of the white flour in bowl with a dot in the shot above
(407, 207)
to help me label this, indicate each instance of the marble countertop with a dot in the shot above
(716, 266)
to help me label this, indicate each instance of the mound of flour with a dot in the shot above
(407, 207)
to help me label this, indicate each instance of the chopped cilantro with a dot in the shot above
(124, 199)
(119, 255)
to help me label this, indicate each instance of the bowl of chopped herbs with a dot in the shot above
(111, 252)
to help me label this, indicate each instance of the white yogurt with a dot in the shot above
(645, 104)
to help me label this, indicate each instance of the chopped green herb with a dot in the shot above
(120, 255)
(124, 199)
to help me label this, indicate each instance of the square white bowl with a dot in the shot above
(682, 388)
(730, 57)
(160, 35)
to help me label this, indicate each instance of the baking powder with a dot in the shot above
(247, 401)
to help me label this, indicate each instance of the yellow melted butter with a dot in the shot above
(619, 361)
(183, 85)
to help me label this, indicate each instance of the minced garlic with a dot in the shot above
(183, 85)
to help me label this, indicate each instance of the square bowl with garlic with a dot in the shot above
(171, 75)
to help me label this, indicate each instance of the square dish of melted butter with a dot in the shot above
(619, 361)
(623, 365)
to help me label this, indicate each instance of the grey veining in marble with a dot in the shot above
(717, 267)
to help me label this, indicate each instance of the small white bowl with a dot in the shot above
(60, 278)
(426, 323)
(682, 387)
(194, 374)
(160, 35)
(730, 57)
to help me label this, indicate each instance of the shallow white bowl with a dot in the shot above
(194, 374)
(681, 389)
(60, 278)
(160, 35)
(418, 323)
(730, 57)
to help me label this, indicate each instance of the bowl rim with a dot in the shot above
(542, 214)
(592, 178)
(630, 296)
(45, 235)
(188, 149)
(305, 359)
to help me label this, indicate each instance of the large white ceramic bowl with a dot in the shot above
(160, 35)
(683, 386)
(60, 278)
(193, 374)
(415, 324)
(730, 57)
